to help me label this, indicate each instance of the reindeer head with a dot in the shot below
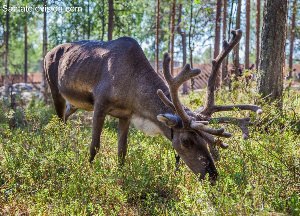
(190, 146)
(191, 135)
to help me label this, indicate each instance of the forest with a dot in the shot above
(238, 56)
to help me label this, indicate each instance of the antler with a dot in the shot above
(199, 121)
(174, 83)
(210, 107)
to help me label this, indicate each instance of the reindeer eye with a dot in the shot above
(186, 142)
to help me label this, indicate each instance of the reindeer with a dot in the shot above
(115, 78)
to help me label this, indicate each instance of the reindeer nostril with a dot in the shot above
(202, 176)
(213, 173)
(211, 170)
(213, 178)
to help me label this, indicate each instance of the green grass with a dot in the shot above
(44, 167)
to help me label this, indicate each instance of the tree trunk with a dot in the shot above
(190, 41)
(103, 20)
(257, 33)
(230, 20)
(25, 50)
(172, 35)
(110, 19)
(224, 30)
(237, 47)
(272, 58)
(292, 38)
(6, 79)
(6, 40)
(45, 40)
(217, 38)
(183, 41)
(89, 20)
(247, 39)
(157, 36)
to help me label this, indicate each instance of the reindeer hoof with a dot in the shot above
(92, 156)
(259, 111)
(224, 145)
(245, 136)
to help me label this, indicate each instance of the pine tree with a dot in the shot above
(272, 59)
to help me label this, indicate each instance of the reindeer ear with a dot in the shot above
(170, 120)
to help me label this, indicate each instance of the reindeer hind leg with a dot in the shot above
(59, 102)
(70, 109)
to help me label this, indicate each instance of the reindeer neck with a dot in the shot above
(147, 103)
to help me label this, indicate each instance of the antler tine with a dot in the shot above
(166, 68)
(211, 140)
(216, 63)
(217, 132)
(227, 47)
(186, 74)
(174, 84)
(242, 123)
(254, 108)
(165, 100)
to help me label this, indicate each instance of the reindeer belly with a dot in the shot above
(80, 100)
(145, 125)
(76, 91)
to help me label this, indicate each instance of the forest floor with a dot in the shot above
(44, 166)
